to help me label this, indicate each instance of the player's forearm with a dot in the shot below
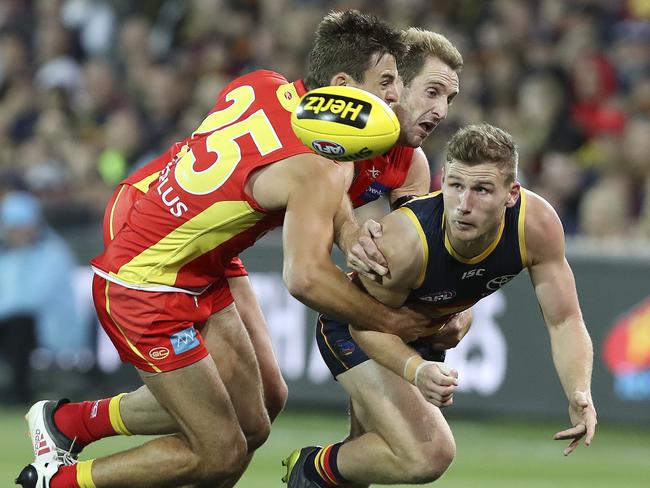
(345, 226)
(346, 235)
(326, 289)
(387, 350)
(572, 355)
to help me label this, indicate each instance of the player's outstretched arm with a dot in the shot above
(314, 187)
(571, 345)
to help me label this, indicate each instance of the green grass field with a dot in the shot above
(491, 454)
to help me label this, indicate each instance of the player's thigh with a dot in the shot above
(197, 399)
(386, 404)
(232, 352)
(275, 388)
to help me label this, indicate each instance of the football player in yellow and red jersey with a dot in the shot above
(241, 173)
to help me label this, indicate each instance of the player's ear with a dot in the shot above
(513, 194)
(340, 79)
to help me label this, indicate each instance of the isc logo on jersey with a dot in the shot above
(345, 123)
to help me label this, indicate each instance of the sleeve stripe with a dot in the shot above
(520, 228)
(423, 239)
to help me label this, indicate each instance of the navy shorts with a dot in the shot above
(341, 353)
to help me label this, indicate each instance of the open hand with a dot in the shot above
(583, 418)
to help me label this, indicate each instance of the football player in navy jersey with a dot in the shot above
(448, 250)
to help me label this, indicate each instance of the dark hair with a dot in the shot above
(422, 44)
(484, 143)
(346, 42)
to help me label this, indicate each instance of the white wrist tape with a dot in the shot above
(418, 369)
(409, 373)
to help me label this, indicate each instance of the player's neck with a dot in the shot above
(469, 249)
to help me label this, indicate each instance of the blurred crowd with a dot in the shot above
(90, 89)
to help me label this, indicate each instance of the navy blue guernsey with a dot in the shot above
(450, 283)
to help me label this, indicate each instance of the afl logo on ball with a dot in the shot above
(327, 148)
(159, 353)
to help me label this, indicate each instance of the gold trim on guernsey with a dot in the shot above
(424, 197)
(110, 222)
(288, 96)
(133, 348)
(520, 229)
(161, 263)
(423, 239)
(144, 184)
(480, 257)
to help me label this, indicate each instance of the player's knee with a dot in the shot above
(430, 461)
(259, 432)
(276, 398)
(210, 466)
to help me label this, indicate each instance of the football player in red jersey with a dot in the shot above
(241, 173)
(429, 72)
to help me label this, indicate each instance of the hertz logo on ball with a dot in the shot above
(342, 110)
(345, 123)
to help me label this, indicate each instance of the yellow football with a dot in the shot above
(345, 123)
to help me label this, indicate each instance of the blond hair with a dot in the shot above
(421, 44)
(484, 143)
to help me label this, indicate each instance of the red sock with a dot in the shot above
(66, 477)
(90, 421)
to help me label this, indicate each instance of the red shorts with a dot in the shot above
(156, 331)
(117, 210)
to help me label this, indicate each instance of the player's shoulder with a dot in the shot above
(259, 79)
(542, 225)
(539, 212)
(429, 201)
(397, 157)
(401, 230)
(308, 168)
(300, 175)
(400, 155)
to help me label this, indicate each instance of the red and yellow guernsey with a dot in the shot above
(195, 215)
(380, 175)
